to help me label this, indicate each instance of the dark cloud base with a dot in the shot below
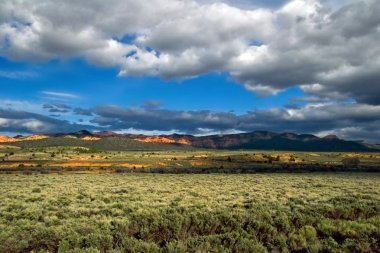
(349, 121)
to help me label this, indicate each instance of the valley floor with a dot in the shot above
(48, 159)
(267, 212)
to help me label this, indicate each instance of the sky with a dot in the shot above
(191, 66)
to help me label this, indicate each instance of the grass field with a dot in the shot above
(25, 159)
(278, 212)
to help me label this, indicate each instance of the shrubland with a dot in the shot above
(278, 212)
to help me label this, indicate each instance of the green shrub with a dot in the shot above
(101, 241)
(176, 247)
(64, 246)
(212, 213)
(132, 245)
(36, 190)
(351, 161)
(306, 239)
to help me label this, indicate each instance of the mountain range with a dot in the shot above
(258, 140)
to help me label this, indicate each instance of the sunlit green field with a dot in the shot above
(275, 212)
(44, 159)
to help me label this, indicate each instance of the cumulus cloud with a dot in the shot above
(328, 53)
(328, 48)
(268, 49)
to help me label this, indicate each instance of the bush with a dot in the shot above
(305, 240)
(188, 213)
(132, 245)
(36, 190)
(351, 162)
(100, 241)
(176, 247)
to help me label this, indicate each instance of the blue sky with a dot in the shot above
(191, 66)
(91, 86)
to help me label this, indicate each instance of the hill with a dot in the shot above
(258, 140)
(267, 141)
(103, 144)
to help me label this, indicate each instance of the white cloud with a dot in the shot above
(28, 125)
(111, 54)
(304, 42)
(60, 94)
(34, 125)
(4, 122)
(145, 132)
(17, 74)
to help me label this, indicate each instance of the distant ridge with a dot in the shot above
(258, 140)
(265, 140)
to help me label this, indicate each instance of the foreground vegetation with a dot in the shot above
(333, 212)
